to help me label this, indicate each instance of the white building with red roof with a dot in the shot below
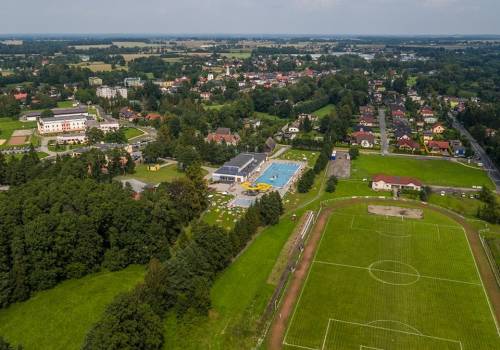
(381, 182)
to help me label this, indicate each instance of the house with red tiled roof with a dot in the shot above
(153, 116)
(408, 145)
(363, 139)
(381, 182)
(223, 135)
(367, 120)
(441, 147)
(21, 96)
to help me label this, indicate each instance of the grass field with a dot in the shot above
(165, 174)
(65, 104)
(219, 214)
(8, 126)
(301, 155)
(430, 172)
(99, 66)
(60, 318)
(132, 132)
(324, 111)
(389, 283)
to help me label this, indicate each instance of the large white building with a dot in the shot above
(58, 124)
(239, 168)
(111, 92)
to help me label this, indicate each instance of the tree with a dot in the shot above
(94, 135)
(331, 184)
(9, 107)
(46, 113)
(353, 152)
(126, 324)
(306, 125)
(306, 181)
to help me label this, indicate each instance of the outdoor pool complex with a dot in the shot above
(278, 174)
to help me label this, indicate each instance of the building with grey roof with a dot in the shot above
(240, 168)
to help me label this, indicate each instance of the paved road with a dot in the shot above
(384, 144)
(488, 164)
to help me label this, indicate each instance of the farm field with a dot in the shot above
(60, 318)
(165, 174)
(430, 172)
(379, 282)
(99, 66)
(239, 54)
(324, 111)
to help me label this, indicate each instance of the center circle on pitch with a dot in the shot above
(393, 272)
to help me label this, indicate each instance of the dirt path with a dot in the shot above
(282, 319)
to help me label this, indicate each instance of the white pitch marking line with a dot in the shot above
(307, 278)
(299, 346)
(482, 283)
(398, 331)
(326, 334)
(396, 272)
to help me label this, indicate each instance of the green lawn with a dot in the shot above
(60, 318)
(132, 132)
(8, 126)
(430, 172)
(385, 283)
(301, 155)
(219, 214)
(324, 111)
(165, 174)
(267, 116)
(65, 104)
(239, 297)
(215, 107)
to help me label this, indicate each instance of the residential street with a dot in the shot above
(384, 144)
(488, 165)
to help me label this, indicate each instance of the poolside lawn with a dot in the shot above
(219, 214)
(429, 171)
(301, 156)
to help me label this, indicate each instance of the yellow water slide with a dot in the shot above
(260, 187)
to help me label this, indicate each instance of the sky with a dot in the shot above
(372, 17)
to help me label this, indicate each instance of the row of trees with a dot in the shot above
(182, 283)
(490, 211)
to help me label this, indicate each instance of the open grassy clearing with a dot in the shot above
(165, 174)
(430, 172)
(301, 156)
(60, 318)
(132, 132)
(99, 66)
(65, 104)
(214, 107)
(324, 111)
(239, 297)
(372, 277)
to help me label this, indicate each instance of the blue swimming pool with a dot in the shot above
(278, 174)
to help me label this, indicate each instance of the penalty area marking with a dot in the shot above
(459, 343)
(362, 347)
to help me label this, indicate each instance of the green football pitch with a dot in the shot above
(391, 283)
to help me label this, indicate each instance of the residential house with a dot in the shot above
(223, 135)
(438, 128)
(441, 147)
(398, 111)
(128, 114)
(111, 92)
(363, 139)
(408, 145)
(362, 128)
(95, 81)
(367, 120)
(383, 182)
(427, 136)
(153, 116)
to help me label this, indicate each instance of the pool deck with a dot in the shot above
(243, 200)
